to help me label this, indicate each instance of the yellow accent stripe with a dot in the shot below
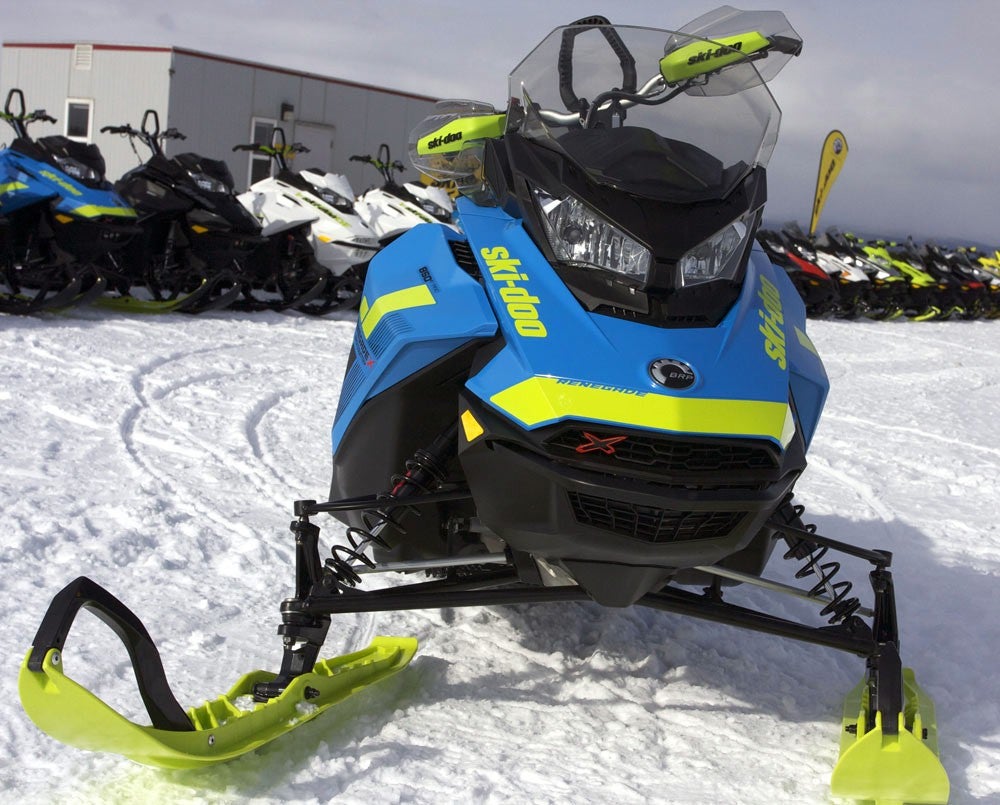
(10, 187)
(541, 399)
(806, 341)
(403, 299)
(93, 210)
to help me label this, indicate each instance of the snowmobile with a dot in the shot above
(853, 284)
(391, 209)
(59, 217)
(817, 289)
(600, 391)
(972, 285)
(889, 288)
(924, 301)
(317, 208)
(195, 234)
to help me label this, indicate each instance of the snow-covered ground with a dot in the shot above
(160, 456)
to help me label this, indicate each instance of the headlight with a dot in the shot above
(208, 183)
(334, 199)
(579, 236)
(434, 209)
(76, 169)
(718, 257)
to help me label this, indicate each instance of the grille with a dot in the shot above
(666, 455)
(649, 523)
(462, 253)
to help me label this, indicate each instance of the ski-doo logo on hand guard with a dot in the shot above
(714, 53)
(773, 321)
(437, 142)
(505, 271)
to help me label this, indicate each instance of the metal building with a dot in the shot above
(216, 101)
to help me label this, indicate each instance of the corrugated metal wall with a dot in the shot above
(121, 84)
(213, 100)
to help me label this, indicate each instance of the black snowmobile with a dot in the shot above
(601, 391)
(195, 233)
(970, 284)
(818, 291)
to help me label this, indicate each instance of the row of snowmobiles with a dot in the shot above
(600, 389)
(841, 275)
(173, 233)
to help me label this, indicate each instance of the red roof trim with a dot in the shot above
(223, 59)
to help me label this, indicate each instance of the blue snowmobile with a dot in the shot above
(602, 390)
(59, 216)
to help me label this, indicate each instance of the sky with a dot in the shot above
(911, 85)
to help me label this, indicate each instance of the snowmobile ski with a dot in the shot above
(890, 766)
(215, 731)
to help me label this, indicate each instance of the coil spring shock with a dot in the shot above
(841, 606)
(425, 471)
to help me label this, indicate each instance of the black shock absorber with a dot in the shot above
(425, 471)
(303, 632)
(841, 605)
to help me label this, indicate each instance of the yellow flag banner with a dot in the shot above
(831, 160)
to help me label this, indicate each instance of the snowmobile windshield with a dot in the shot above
(679, 116)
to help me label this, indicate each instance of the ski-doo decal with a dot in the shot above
(520, 304)
(772, 324)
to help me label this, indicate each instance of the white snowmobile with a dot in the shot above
(323, 204)
(392, 208)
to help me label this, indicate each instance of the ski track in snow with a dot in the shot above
(161, 456)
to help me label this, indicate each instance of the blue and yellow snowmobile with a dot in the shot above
(603, 390)
(58, 214)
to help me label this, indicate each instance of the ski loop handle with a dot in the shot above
(162, 707)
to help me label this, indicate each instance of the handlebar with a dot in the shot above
(384, 164)
(565, 63)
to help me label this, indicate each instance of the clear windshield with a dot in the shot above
(670, 128)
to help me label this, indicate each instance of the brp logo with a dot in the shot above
(672, 374)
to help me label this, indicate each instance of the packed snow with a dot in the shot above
(160, 456)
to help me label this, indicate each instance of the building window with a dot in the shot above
(79, 118)
(261, 133)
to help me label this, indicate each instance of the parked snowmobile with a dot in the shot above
(885, 299)
(924, 300)
(316, 209)
(853, 284)
(391, 209)
(970, 284)
(195, 234)
(601, 391)
(59, 217)
(818, 291)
